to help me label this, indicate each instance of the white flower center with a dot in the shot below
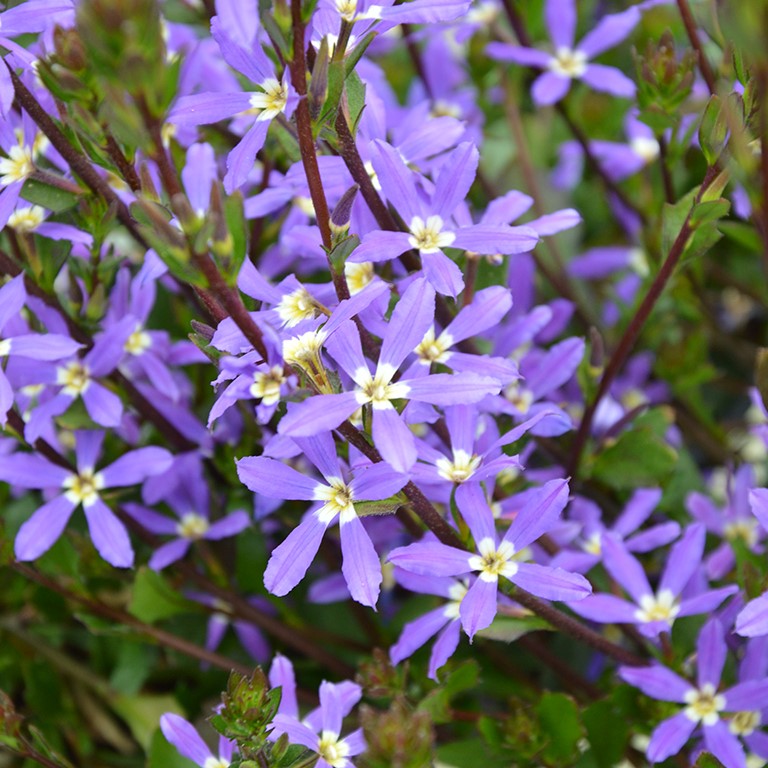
(493, 562)
(379, 390)
(272, 102)
(5, 347)
(338, 498)
(443, 108)
(347, 9)
(746, 530)
(428, 236)
(460, 469)
(74, 377)
(267, 385)
(84, 487)
(593, 545)
(520, 397)
(456, 593)
(333, 751)
(704, 704)
(638, 262)
(215, 762)
(192, 526)
(434, 350)
(17, 166)
(660, 607)
(297, 306)
(27, 219)
(358, 275)
(645, 147)
(744, 723)
(138, 342)
(568, 63)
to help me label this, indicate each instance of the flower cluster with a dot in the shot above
(352, 359)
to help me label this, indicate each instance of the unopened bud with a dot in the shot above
(342, 213)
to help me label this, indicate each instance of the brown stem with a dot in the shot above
(164, 638)
(693, 36)
(576, 629)
(630, 335)
(77, 162)
(666, 176)
(127, 171)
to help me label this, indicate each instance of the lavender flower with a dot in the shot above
(653, 612)
(572, 62)
(290, 561)
(704, 705)
(333, 751)
(184, 736)
(495, 558)
(83, 486)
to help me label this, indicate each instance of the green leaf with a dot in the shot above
(162, 754)
(470, 753)
(559, 719)
(142, 713)
(48, 196)
(355, 90)
(672, 220)
(607, 733)
(153, 599)
(134, 663)
(507, 629)
(639, 457)
(383, 507)
(741, 233)
(706, 760)
(709, 212)
(713, 130)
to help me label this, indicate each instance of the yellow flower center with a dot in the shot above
(74, 377)
(333, 751)
(338, 498)
(267, 385)
(272, 101)
(704, 704)
(192, 526)
(84, 487)
(460, 469)
(744, 723)
(17, 166)
(434, 350)
(27, 219)
(428, 236)
(493, 562)
(138, 342)
(660, 607)
(568, 63)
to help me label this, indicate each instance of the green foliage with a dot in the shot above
(639, 457)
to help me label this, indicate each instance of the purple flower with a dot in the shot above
(654, 612)
(38, 534)
(236, 30)
(495, 558)
(184, 736)
(335, 704)
(188, 497)
(289, 561)
(704, 704)
(410, 320)
(443, 621)
(572, 62)
(593, 530)
(429, 223)
(51, 346)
